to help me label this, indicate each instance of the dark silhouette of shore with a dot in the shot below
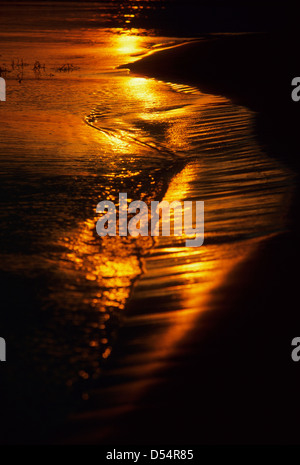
(254, 70)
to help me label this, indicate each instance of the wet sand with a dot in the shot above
(230, 378)
(240, 366)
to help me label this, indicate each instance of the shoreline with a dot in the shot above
(238, 384)
(235, 362)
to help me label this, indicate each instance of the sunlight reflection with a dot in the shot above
(183, 280)
(143, 90)
(128, 44)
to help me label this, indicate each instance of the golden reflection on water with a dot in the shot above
(183, 280)
(143, 90)
(128, 44)
(180, 279)
(146, 127)
(180, 282)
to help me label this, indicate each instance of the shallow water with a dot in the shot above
(72, 138)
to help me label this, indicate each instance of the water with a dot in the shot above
(72, 138)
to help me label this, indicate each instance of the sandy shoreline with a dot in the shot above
(247, 385)
(234, 382)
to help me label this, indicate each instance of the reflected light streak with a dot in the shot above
(184, 280)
